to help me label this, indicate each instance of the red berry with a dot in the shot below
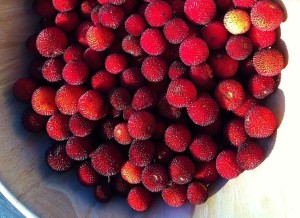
(223, 65)
(163, 153)
(121, 134)
(260, 122)
(143, 98)
(131, 45)
(94, 59)
(131, 173)
(226, 164)
(181, 169)
(99, 38)
(158, 13)
(120, 98)
(103, 193)
(44, 8)
(215, 35)
(52, 69)
(67, 97)
(250, 155)
(51, 42)
(181, 93)
(153, 41)
(197, 193)
(141, 153)
(115, 63)
(43, 101)
(242, 110)
(201, 74)
(94, 15)
(203, 148)
(206, 171)
(67, 21)
(79, 148)
(229, 94)
(155, 177)
(81, 126)
(154, 68)
(244, 3)
(81, 32)
(24, 88)
(111, 16)
(64, 5)
(261, 86)
(175, 195)
(107, 159)
(139, 198)
(266, 15)
(86, 8)
(200, 11)
(91, 105)
(57, 158)
(75, 72)
(132, 78)
(177, 137)
(58, 127)
(176, 70)
(176, 30)
(33, 122)
(204, 111)
(103, 81)
(127, 113)
(87, 175)
(239, 47)
(262, 39)
(193, 51)
(235, 132)
(106, 129)
(135, 24)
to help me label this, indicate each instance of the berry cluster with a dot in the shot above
(147, 97)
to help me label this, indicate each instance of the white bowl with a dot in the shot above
(271, 190)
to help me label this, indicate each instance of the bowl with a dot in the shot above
(271, 190)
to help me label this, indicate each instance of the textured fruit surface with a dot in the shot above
(227, 166)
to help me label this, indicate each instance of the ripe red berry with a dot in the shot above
(197, 193)
(81, 32)
(57, 158)
(67, 21)
(81, 126)
(242, 110)
(200, 11)
(262, 39)
(24, 88)
(235, 132)
(51, 42)
(111, 16)
(175, 195)
(143, 98)
(135, 24)
(52, 69)
(94, 111)
(43, 101)
(206, 171)
(203, 148)
(66, 98)
(250, 155)
(244, 3)
(181, 93)
(176, 30)
(154, 68)
(99, 38)
(79, 148)
(215, 35)
(64, 5)
(153, 41)
(132, 78)
(131, 173)
(226, 164)
(176, 70)
(87, 175)
(155, 177)
(75, 72)
(121, 134)
(223, 65)
(229, 94)
(157, 13)
(260, 122)
(239, 47)
(204, 111)
(261, 86)
(131, 45)
(181, 169)
(139, 198)
(33, 122)
(86, 8)
(163, 153)
(120, 98)
(141, 153)
(103, 81)
(193, 51)
(177, 137)
(58, 127)
(94, 59)
(115, 63)
(107, 159)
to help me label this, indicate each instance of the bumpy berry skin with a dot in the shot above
(175, 195)
(176, 30)
(197, 193)
(260, 122)
(158, 13)
(181, 93)
(111, 16)
(223, 65)
(94, 111)
(237, 21)
(81, 32)
(43, 101)
(51, 42)
(239, 47)
(87, 175)
(215, 35)
(139, 198)
(57, 158)
(79, 148)
(153, 41)
(103, 81)
(58, 127)
(33, 122)
(99, 38)
(235, 132)
(115, 63)
(131, 173)
(143, 98)
(229, 94)
(262, 39)
(24, 88)
(154, 68)
(250, 155)
(67, 21)
(81, 126)
(226, 164)
(107, 159)
(182, 170)
(63, 5)
(261, 86)
(206, 171)
(135, 24)
(176, 70)
(132, 78)
(200, 11)
(193, 51)
(266, 15)
(52, 69)
(119, 98)
(243, 109)
(203, 148)
(177, 137)
(131, 45)
(155, 177)
(141, 153)
(75, 72)
(204, 111)
(121, 134)
(268, 62)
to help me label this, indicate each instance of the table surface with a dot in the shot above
(7, 210)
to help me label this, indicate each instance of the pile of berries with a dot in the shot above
(153, 97)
